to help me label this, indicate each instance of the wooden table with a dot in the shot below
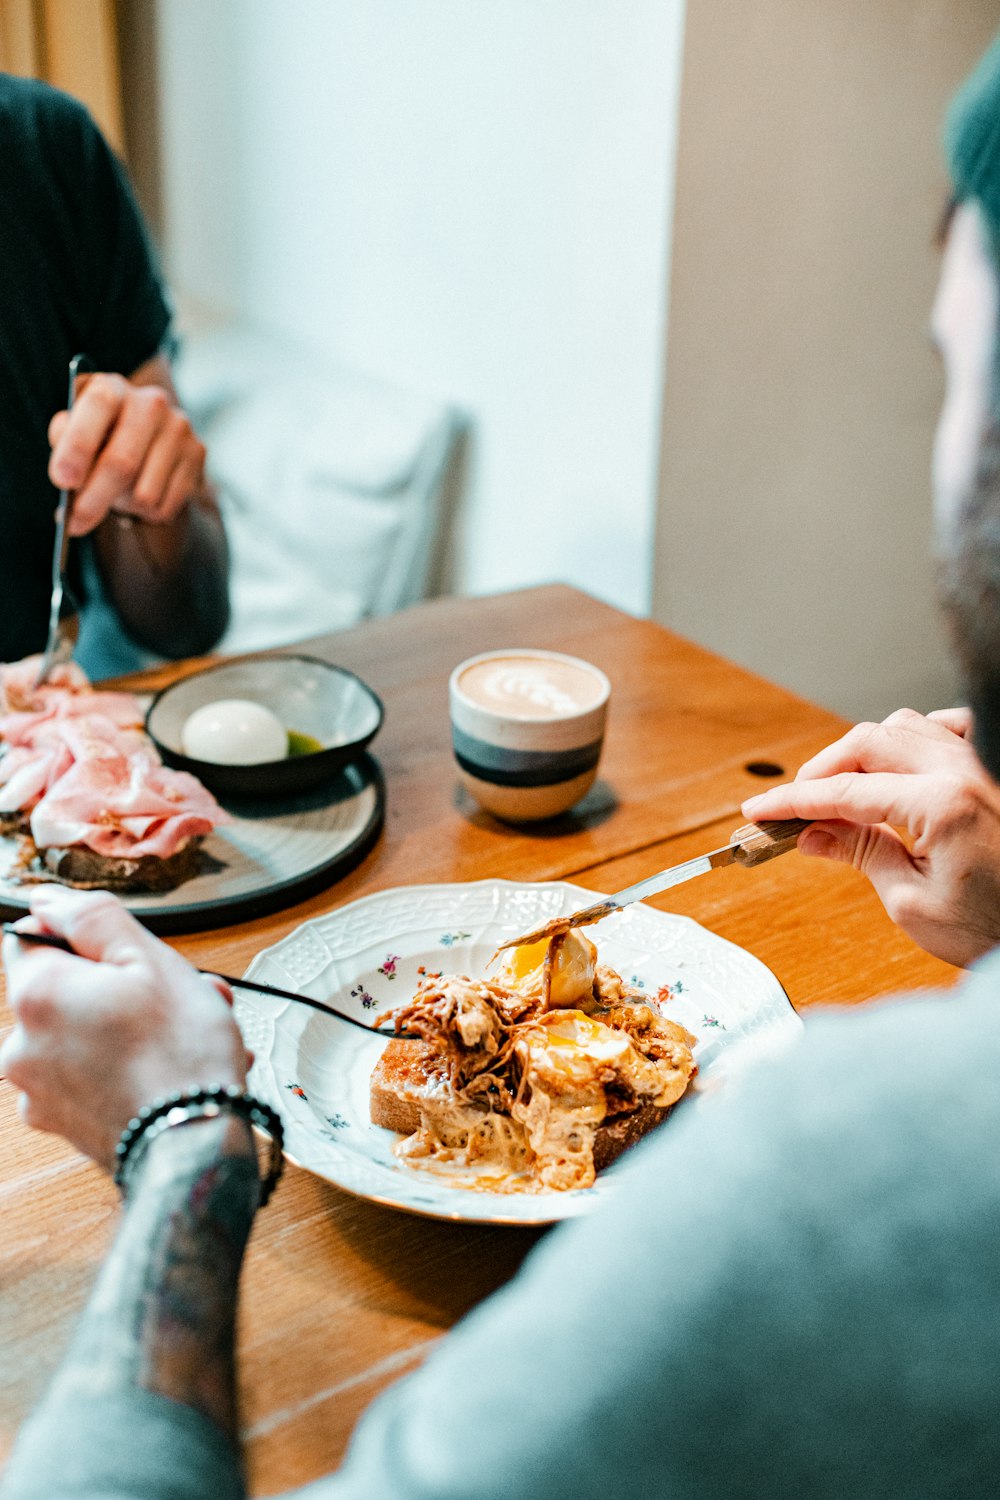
(341, 1296)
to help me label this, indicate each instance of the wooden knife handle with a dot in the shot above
(762, 841)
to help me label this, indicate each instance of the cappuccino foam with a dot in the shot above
(531, 687)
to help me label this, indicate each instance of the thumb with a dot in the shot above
(830, 841)
(958, 720)
(875, 849)
(222, 986)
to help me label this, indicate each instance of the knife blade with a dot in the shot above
(751, 845)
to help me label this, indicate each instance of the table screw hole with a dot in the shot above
(764, 768)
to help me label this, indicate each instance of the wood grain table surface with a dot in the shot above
(341, 1296)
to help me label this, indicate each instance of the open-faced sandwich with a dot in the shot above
(531, 1080)
(83, 790)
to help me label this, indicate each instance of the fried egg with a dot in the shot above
(574, 961)
(580, 1034)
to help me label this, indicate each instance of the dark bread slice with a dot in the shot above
(79, 866)
(404, 1068)
(614, 1136)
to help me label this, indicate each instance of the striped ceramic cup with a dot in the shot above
(527, 729)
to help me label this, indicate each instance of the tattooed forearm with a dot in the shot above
(163, 1313)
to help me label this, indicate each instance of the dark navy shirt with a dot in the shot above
(76, 275)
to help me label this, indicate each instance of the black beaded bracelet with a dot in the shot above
(202, 1104)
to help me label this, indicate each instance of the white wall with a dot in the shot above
(471, 198)
(801, 392)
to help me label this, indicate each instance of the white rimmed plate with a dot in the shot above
(371, 955)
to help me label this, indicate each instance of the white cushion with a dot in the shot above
(330, 483)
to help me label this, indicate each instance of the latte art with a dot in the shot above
(532, 687)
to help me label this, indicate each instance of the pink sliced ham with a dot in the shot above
(124, 808)
(31, 765)
(19, 727)
(26, 773)
(18, 690)
(81, 763)
(93, 736)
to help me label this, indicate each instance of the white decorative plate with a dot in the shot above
(371, 954)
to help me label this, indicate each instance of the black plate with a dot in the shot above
(307, 694)
(275, 852)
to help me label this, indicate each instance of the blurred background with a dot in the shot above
(474, 297)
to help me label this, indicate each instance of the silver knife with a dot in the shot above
(80, 364)
(749, 846)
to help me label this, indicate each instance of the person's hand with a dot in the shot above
(941, 883)
(102, 1034)
(958, 720)
(127, 447)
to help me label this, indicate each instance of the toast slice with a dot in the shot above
(82, 868)
(398, 1079)
(406, 1067)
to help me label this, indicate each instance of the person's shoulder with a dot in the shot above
(33, 101)
(41, 116)
(894, 1054)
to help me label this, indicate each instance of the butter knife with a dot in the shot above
(80, 364)
(751, 845)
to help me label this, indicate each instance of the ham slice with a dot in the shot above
(19, 694)
(124, 807)
(80, 761)
(21, 726)
(37, 758)
(27, 772)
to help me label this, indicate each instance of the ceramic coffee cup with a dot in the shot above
(527, 729)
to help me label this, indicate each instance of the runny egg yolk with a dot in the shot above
(582, 1034)
(573, 961)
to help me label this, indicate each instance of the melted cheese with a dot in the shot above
(562, 1064)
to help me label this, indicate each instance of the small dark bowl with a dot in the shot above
(308, 695)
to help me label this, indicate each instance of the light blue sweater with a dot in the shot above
(795, 1292)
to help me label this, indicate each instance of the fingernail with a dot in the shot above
(66, 475)
(752, 802)
(818, 842)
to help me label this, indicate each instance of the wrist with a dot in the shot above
(232, 1129)
(189, 1149)
(176, 1115)
(203, 1161)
